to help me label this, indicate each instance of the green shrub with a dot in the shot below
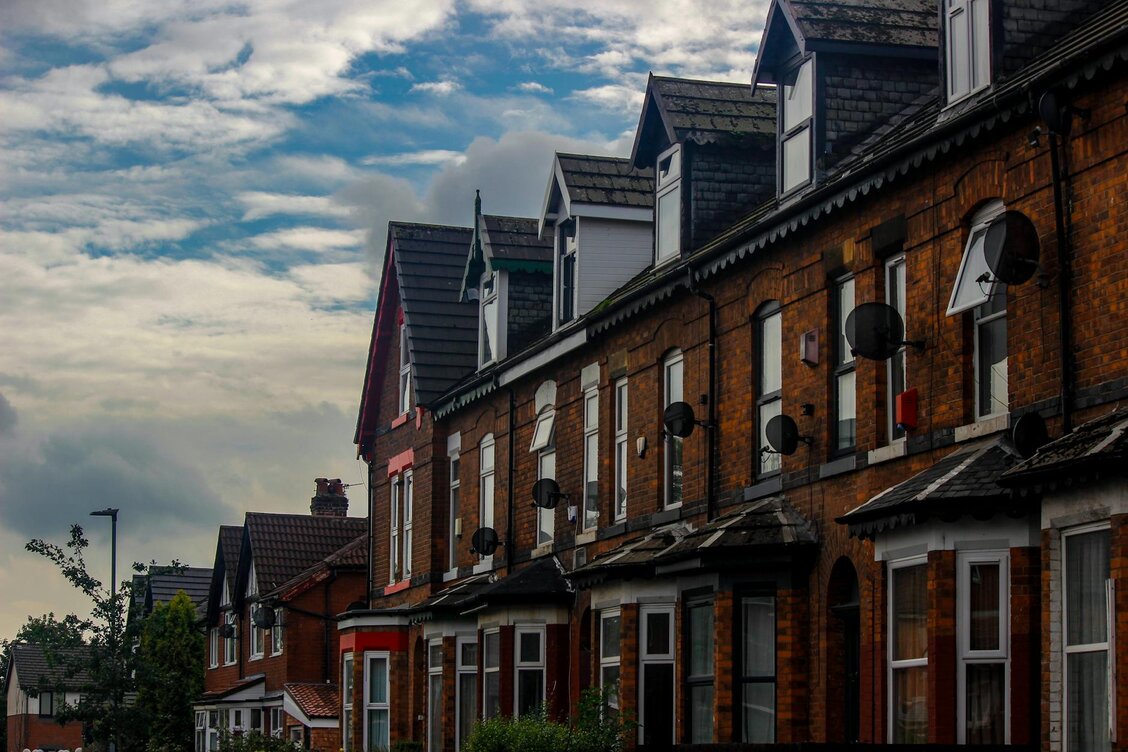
(254, 741)
(591, 730)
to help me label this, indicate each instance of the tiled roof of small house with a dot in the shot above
(316, 700)
(241, 685)
(458, 597)
(353, 556)
(164, 585)
(762, 524)
(909, 23)
(631, 559)
(284, 545)
(606, 181)
(961, 483)
(1095, 449)
(37, 666)
(513, 240)
(442, 330)
(543, 580)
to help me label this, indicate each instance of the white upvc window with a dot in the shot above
(404, 371)
(400, 523)
(230, 644)
(213, 730)
(769, 381)
(377, 710)
(967, 32)
(408, 521)
(699, 670)
(486, 455)
(213, 647)
(347, 693)
(983, 641)
(796, 131)
(201, 739)
(225, 594)
(258, 635)
(452, 532)
(990, 357)
(544, 430)
(435, 695)
(566, 239)
(1088, 616)
(278, 723)
(491, 673)
(622, 451)
(667, 205)
(657, 688)
(546, 518)
(529, 680)
(908, 651)
(491, 332)
(277, 633)
(610, 652)
(845, 375)
(591, 459)
(673, 370)
(756, 669)
(975, 284)
(466, 689)
(895, 366)
(394, 563)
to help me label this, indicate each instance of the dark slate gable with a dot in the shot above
(903, 23)
(284, 545)
(606, 181)
(164, 585)
(513, 242)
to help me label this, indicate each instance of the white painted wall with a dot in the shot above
(17, 700)
(610, 252)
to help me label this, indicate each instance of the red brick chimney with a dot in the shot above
(329, 500)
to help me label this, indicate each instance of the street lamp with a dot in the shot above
(113, 514)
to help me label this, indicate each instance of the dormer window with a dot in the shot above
(797, 109)
(404, 372)
(968, 46)
(490, 345)
(667, 203)
(567, 251)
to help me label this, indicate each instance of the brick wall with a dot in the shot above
(724, 183)
(32, 732)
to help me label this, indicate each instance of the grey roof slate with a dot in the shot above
(164, 585)
(963, 482)
(513, 239)
(909, 23)
(442, 330)
(540, 582)
(606, 181)
(1097, 448)
(38, 667)
(230, 541)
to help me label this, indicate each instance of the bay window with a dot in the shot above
(610, 622)
(1088, 626)
(983, 641)
(435, 695)
(277, 723)
(377, 720)
(466, 690)
(699, 671)
(529, 666)
(346, 705)
(908, 651)
(656, 681)
(491, 673)
(757, 669)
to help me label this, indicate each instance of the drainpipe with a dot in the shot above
(510, 517)
(1059, 166)
(711, 427)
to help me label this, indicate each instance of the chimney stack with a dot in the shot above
(329, 499)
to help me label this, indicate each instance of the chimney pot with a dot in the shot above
(329, 499)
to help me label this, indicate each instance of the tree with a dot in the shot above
(170, 674)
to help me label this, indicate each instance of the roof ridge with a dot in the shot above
(401, 223)
(701, 81)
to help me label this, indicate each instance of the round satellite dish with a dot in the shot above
(1029, 434)
(1011, 248)
(546, 493)
(356, 606)
(484, 541)
(263, 617)
(875, 331)
(783, 434)
(227, 631)
(678, 419)
(1053, 114)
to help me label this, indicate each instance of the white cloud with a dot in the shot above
(438, 88)
(616, 97)
(533, 87)
(425, 157)
(309, 239)
(260, 204)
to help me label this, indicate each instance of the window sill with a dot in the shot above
(255, 657)
(886, 453)
(837, 467)
(400, 420)
(542, 550)
(397, 587)
(483, 566)
(982, 427)
(772, 485)
(584, 538)
(450, 574)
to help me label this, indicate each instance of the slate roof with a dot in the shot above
(908, 23)
(65, 667)
(540, 582)
(315, 700)
(1097, 448)
(163, 586)
(635, 558)
(963, 482)
(442, 330)
(352, 556)
(284, 545)
(606, 181)
(509, 241)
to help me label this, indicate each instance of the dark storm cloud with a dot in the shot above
(8, 417)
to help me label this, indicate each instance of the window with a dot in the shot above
(276, 718)
(455, 485)
(591, 459)
(667, 203)
(486, 485)
(757, 665)
(258, 635)
(394, 535)
(567, 272)
(46, 704)
(1088, 626)
(400, 541)
(230, 644)
(346, 705)
(376, 707)
(621, 449)
(609, 651)
(490, 347)
(672, 383)
(796, 114)
(466, 691)
(256, 719)
(974, 283)
(529, 662)
(546, 518)
(895, 366)
(408, 515)
(213, 647)
(656, 688)
(544, 430)
(201, 739)
(404, 372)
(769, 380)
(296, 733)
(237, 719)
(967, 31)
(213, 730)
(276, 633)
(699, 671)
(491, 673)
(435, 695)
(983, 644)
(990, 356)
(908, 652)
(845, 399)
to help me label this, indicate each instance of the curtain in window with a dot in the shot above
(986, 698)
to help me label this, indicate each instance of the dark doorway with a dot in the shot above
(843, 654)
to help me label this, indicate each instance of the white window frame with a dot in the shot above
(964, 561)
(213, 647)
(520, 666)
(893, 664)
(491, 290)
(608, 660)
(231, 644)
(802, 128)
(348, 697)
(486, 471)
(372, 706)
(277, 638)
(982, 320)
(395, 566)
(258, 635)
(973, 263)
(405, 396)
(568, 253)
(973, 39)
(845, 365)
(589, 519)
(463, 669)
(622, 448)
(487, 670)
(201, 735)
(546, 518)
(647, 658)
(896, 275)
(665, 183)
(454, 499)
(674, 361)
(768, 402)
(433, 671)
(408, 521)
(278, 723)
(544, 430)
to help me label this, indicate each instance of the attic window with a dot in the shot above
(667, 203)
(974, 283)
(967, 46)
(796, 106)
(404, 372)
(542, 434)
(490, 347)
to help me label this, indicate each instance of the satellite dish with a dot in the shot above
(783, 434)
(356, 606)
(1053, 114)
(1029, 434)
(876, 331)
(484, 541)
(262, 617)
(1011, 248)
(678, 419)
(227, 631)
(546, 493)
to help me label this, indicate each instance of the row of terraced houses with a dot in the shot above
(804, 423)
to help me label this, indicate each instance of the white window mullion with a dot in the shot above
(591, 459)
(622, 450)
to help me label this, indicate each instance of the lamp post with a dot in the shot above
(113, 515)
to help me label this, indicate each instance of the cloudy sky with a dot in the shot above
(193, 196)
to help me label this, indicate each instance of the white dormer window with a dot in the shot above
(491, 346)
(404, 372)
(667, 204)
(968, 46)
(567, 245)
(796, 115)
